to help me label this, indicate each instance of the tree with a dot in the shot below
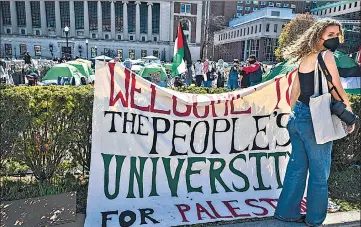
(291, 31)
(212, 24)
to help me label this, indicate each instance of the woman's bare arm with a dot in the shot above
(295, 91)
(332, 68)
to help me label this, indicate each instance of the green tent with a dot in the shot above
(149, 70)
(63, 70)
(89, 65)
(82, 68)
(168, 67)
(350, 72)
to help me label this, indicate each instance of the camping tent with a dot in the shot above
(350, 72)
(82, 68)
(63, 70)
(150, 70)
(89, 64)
(102, 58)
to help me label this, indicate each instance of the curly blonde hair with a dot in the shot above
(308, 41)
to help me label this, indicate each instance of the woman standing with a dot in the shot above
(308, 156)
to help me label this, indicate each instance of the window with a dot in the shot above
(106, 36)
(185, 8)
(93, 15)
(8, 49)
(270, 4)
(106, 52)
(143, 38)
(267, 27)
(275, 28)
(334, 9)
(329, 10)
(286, 5)
(275, 13)
(105, 15)
(23, 31)
(20, 11)
(247, 8)
(37, 50)
(355, 4)
(350, 5)
(35, 14)
(50, 14)
(344, 7)
(93, 51)
(120, 53)
(255, 9)
(143, 17)
(118, 16)
(131, 54)
(37, 32)
(143, 53)
(239, 7)
(79, 14)
(131, 38)
(8, 31)
(339, 8)
(239, 14)
(244, 31)
(237, 33)
(131, 17)
(248, 2)
(240, 32)
(293, 6)
(252, 30)
(5, 7)
(260, 27)
(263, 3)
(64, 13)
(119, 37)
(155, 18)
(247, 30)
(255, 30)
(278, 4)
(94, 36)
(22, 48)
(156, 53)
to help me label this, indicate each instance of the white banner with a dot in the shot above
(165, 158)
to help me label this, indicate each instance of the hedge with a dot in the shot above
(40, 126)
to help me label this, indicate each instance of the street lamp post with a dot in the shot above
(87, 43)
(66, 30)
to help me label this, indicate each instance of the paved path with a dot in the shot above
(344, 219)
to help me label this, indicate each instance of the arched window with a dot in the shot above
(186, 26)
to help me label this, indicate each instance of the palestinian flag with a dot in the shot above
(182, 59)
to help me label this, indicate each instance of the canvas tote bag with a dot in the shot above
(327, 127)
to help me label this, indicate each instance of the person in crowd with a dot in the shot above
(199, 73)
(27, 58)
(233, 75)
(206, 71)
(83, 81)
(253, 70)
(308, 157)
(220, 73)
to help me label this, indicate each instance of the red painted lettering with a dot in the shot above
(270, 202)
(123, 99)
(233, 209)
(152, 102)
(265, 211)
(248, 111)
(133, 89)
(182, 208)
(201, 209)
(177, 113)
(215, 211)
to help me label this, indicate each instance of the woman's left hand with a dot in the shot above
(350, 129)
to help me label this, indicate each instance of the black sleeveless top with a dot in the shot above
(307, 86)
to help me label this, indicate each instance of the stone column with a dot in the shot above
(150, 21)
(125, 20)
(57, 19)
(72, 19)
(29, 22)
(14, 19)
(1, 24)
(86, 20)
(199, 23)
(171, 21)
(137, 21)
(100, 21)
(112, 19)
(44, 26)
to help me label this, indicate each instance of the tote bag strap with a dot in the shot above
(327, 74)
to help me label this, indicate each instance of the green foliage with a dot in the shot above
(13, 167)
(201, 90)
(41, 124)
(345, 185)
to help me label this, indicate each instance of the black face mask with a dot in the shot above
(332, 44)
(252, 61)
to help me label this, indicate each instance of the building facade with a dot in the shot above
(127, 29)
(253, 34)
